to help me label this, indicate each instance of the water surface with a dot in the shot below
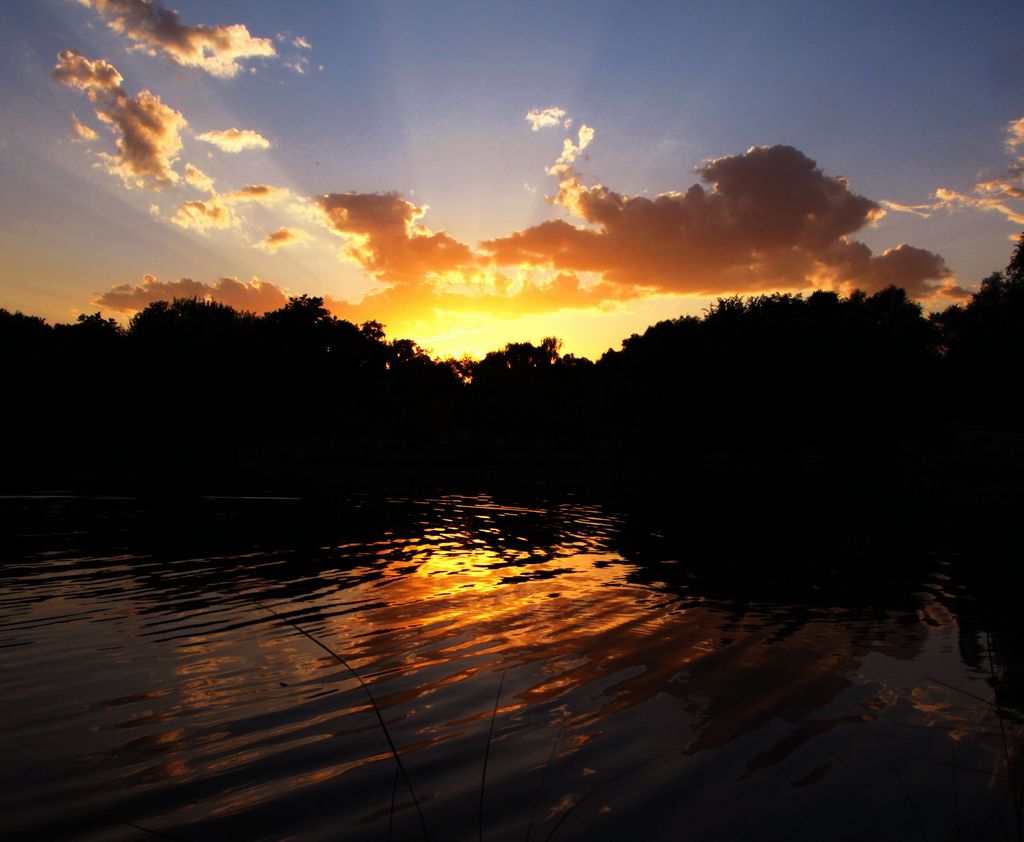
(633, 692)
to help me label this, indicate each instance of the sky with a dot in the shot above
(470, 174)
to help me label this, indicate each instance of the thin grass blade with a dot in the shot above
(373, 704)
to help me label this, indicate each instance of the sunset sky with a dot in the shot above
(476, 173)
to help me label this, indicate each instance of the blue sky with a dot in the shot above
(429, 101)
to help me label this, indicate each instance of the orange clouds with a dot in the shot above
(260, 193)
(150, 138)
(999, 194)
(82, 131)
(1010, 185)
(283, 237)
(498, 297)
(383, 236)
(256, 296)
(195, 177)
(214, 49)
(235, 140)
(992, 195)
(770, 219)
(914, 269)
(217, 211)
(200, 215)
(432, 273)
(76, 71)
(954, 291)
(1015, 134)
(766, 219)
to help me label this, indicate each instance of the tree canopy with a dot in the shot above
(198, 384)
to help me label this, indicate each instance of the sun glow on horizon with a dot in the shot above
(205, 153)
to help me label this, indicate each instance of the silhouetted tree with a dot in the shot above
(983, 344)
(1015, 268)
(194, 386)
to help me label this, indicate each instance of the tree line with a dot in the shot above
(196, 386)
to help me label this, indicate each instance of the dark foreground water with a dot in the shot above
(644, 694)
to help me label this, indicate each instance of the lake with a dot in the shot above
(163, 676)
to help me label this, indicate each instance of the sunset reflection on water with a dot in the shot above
(150, 688)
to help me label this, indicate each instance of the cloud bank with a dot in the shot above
(766, 219)
(255, 296)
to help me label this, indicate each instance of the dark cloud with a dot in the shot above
(383, 235)
(914, 269)
(954, 291)
(768, 219)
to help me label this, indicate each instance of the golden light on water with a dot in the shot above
(604, 664)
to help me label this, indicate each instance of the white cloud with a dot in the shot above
(235, 140)
(571, 151)
(542, 118)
